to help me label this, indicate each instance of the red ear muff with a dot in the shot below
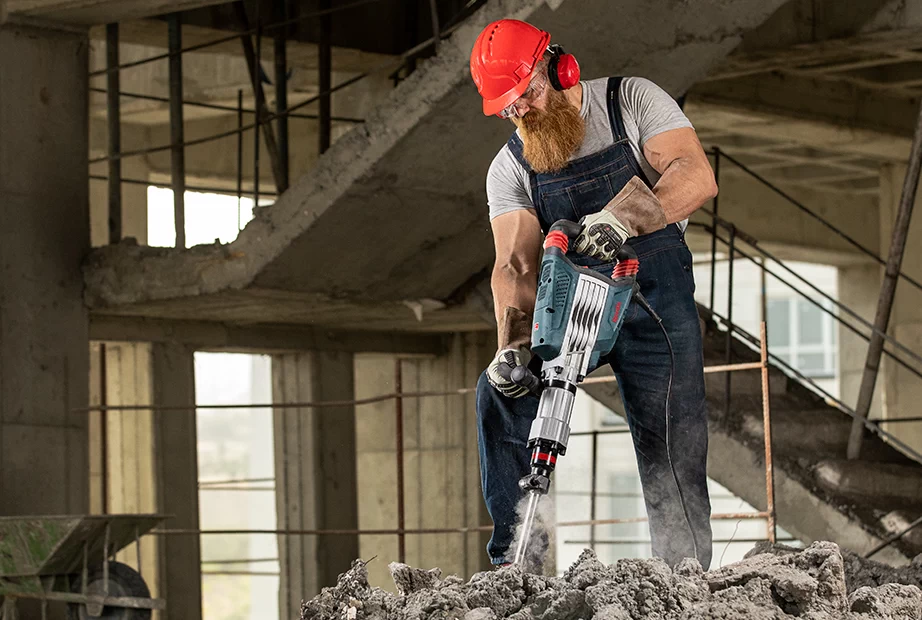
(562, 69)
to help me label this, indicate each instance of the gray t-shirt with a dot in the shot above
(647, 110)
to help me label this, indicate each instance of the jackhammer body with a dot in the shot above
(578, 314)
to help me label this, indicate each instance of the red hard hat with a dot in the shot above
(502, 60)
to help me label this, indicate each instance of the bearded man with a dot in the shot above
(619, 156)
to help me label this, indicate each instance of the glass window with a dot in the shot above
(810, 319)
(779, 322)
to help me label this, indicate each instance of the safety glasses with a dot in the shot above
(534, 91)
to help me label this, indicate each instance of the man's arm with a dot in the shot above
(517, 238)
(688, 180)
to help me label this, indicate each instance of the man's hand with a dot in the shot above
(634, 211)
(500, 369)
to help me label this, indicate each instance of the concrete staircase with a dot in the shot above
(819, 494)
(391, 223)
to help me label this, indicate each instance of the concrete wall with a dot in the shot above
(44, 358)
(441, 472)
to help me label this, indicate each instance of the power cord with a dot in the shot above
(649, 309)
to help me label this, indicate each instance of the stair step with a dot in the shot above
(871, 480)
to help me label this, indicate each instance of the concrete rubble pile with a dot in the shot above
(769, 584)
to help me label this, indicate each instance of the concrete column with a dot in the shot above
(858, 289)
(44, 357)
(441, 472)
(314, 472)
(901, 391)
(176, 463)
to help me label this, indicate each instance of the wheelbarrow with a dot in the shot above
(68, 559)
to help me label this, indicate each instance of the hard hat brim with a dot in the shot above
(495, 106)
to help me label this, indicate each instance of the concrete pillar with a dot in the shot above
(901, 391)
(858, 289)
(176, 462)
(441, 473)
(44, 357)
(314, 472)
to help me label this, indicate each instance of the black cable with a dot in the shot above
(649, 309)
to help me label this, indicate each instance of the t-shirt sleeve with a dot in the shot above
(652, 108)
(506, 185)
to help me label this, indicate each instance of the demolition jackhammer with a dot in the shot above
(578, 314)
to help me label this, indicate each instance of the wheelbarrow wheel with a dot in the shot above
(123, 581)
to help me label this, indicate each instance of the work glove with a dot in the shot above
(514, 341)
(634, 211)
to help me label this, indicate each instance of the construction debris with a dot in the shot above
(770, 585)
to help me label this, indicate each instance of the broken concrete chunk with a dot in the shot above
(409, 579)
(890, 601)
(481, 613)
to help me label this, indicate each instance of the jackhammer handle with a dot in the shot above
(570, 229)
(522, 376)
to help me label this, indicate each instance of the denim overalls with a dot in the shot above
(640, 360)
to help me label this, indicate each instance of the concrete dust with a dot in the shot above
(542, 536)
(775, 584)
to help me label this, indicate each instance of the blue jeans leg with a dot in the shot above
(641, 362)
(503, 425)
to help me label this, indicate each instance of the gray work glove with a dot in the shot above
(634, 211)
(514, 342)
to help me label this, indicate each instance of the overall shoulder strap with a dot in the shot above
(613, 97)
(516, 148)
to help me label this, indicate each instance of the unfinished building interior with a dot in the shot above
(245, 288)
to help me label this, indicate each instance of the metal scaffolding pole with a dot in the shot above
(178, 156)
(262, 113)
(281, 91)
(113, 117)
(325, 63)
(887, 291)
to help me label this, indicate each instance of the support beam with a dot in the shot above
(887, 291)
(281, 90)
(176, 465)
(315, 472)
(208, 335)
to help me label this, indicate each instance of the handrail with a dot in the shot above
(754, 243)
(851, 327)
(717, 151)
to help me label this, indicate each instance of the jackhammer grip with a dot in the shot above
(626, 253)
(567, 227)
(522, 376)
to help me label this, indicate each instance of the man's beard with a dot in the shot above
(551, 136)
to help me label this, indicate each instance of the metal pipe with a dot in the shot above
(325, 69)
(177, 159)
(104, 428)
(894, 538)
(647, 541)
(434, 15)
(398, 416)
(239, 157)
(888, 288)
(263, 117)
(114, 122)
(281, 93)
(767, 428)
(226, 108)
(817, 217)
(256, 77)
(729, 342)
(592, 485)
(714, 229)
